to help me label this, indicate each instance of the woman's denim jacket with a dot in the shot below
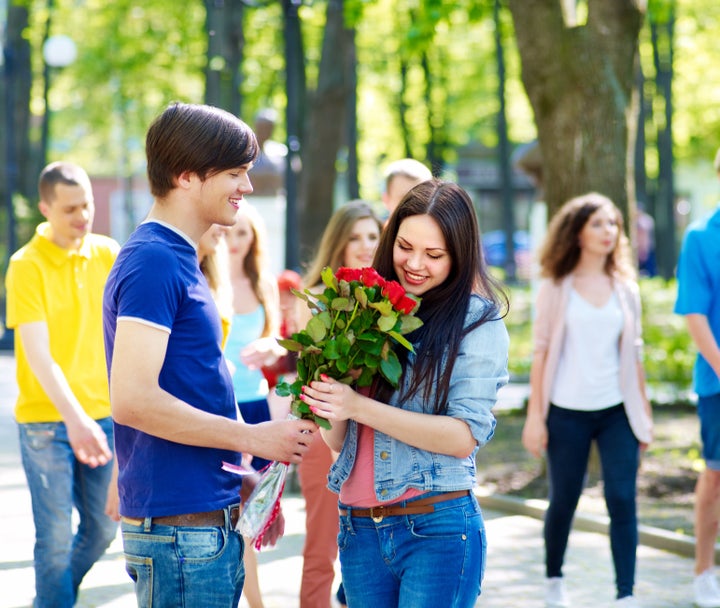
(478, 372)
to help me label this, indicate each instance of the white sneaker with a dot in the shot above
(707, 590)
(629, 601)
(555, 593)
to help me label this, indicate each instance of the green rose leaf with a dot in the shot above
(409, 323)
(331, 350)
(370, 344)
(384, 307)
(328, 277)
(326, 318)
(343, 345)
(316, 328)
(401, 340)
(391, 368)
(340, 304)
(361, 296)
(387, 322)
(291, 345)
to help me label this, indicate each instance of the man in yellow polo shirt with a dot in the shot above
(54, 301)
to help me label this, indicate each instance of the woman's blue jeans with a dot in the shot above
(414, 561)
(570, 434)
(184, 566)
(57, 482)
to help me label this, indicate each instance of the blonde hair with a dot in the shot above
(255, 266)
(560, 251)
(216, 268)
(336, 237)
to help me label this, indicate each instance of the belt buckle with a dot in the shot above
(377, 518)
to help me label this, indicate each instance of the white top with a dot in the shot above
(588, 372)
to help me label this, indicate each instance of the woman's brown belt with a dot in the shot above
(416, 507)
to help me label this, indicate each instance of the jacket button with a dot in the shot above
(384, 455)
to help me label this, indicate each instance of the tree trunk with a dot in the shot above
(326, 131)
(223, 76)
(579, 80)
(19, 48)
(296, 92)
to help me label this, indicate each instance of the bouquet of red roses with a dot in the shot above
(358, 317)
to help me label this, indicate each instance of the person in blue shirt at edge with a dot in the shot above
(172, 398)
(406, 466)
(698, 280)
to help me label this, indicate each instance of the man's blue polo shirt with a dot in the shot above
(698, 275)
(157, 280)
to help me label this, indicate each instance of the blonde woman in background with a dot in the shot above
(214, 260)
(350, 239)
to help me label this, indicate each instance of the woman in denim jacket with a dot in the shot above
(411, 532)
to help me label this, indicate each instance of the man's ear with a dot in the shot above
(44, 208)
(186, 179)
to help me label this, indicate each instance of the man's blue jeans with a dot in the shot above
(57, 482)
(184, 566)
(429, 560)
(570, 434)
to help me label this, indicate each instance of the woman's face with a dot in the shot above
(420, 257)
(363, 242)
(599, 235)
(240, 238)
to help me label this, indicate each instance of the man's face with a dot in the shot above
(70, 214)
(223, 193)
(398, 187)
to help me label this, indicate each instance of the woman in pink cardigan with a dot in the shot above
(587, 381)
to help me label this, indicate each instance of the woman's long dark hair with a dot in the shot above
(444, 308)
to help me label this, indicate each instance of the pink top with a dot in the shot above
(548, 331)
(358, 490)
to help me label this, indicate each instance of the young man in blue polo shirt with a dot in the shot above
(698, 300)
(171, 393)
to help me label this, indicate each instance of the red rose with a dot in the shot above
(394, 292)
(406, 305)
(370, 278)
(348, 274)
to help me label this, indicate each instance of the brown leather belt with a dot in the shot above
(416, 507)
(214, 519)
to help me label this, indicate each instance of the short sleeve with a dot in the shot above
(695, 285)
(25, 293)
(150, 289)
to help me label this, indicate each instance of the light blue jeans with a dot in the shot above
(414, 561)
(175, 566)
(57, 483)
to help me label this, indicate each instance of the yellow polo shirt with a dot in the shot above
(64, 288)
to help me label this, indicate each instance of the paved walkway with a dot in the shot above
(514, 576)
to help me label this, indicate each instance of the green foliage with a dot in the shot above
(357, 318)
(134, 58)
(669, 353)
(669, 350)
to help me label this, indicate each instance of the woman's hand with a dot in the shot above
(262, 352)
(535, 436)
(330, 399)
